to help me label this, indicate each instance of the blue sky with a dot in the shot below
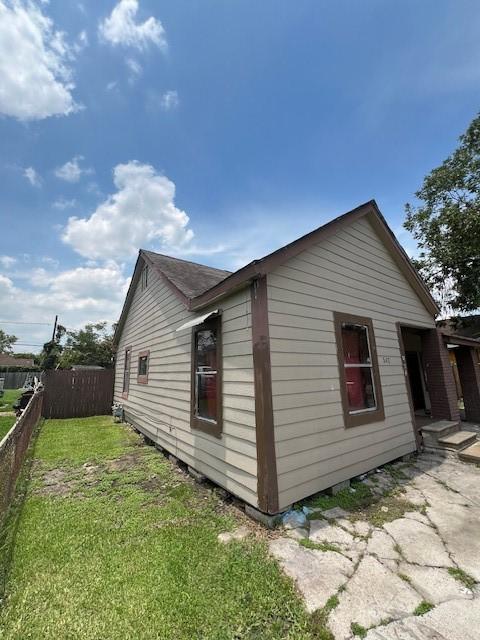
(215, 131)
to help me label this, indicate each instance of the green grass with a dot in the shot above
(320, 620)
(320, 546)
(6, 423)
(126, 547)
(9, 397)
(358, 630)
(423, 608)
(363, 504)
(462, 576)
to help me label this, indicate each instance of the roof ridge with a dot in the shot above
(195, 264)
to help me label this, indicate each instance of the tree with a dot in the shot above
(446, 225)
(91, 345)
(51, 352)
(6, 342)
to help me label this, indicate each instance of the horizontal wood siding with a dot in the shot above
(161, 408)
(350, 272)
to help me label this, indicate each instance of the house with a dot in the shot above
(7, 360)
(293, 374)
(86, 367)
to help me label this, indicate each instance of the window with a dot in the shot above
(206, 413)
(143, 361)
(358, 367)
(144, 283)
(126, 371)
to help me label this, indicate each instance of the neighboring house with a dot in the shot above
(11, 362)
(292, 374)
(86, 367)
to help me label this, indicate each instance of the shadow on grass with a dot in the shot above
(9, 530)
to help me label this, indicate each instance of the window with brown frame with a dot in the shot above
(126, 371)
(206, 389)
(360, 386)
(143, 362)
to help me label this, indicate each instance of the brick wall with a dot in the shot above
(441, 383)
(469, 372)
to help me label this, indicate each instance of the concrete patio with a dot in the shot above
(407, 567)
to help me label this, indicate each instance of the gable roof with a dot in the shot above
(198, 285)
(190, 278)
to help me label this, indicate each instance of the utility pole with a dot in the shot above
(54, 329)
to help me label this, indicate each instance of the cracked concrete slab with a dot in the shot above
(386, 571)
(454, 620)
(373, 594)
(323, 531)
(317, 574)
(382, 545)
(418, 542)
(435, 585)
(459, 528)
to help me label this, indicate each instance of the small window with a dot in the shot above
(143, 361)
(359, 375)
(207, 378)
(144, 283)
(126, 371)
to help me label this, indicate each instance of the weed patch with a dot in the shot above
(358, 630)
(320, 546)
(423, 608)
(462, 576)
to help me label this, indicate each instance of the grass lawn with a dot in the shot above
(6, 423)
(9, 397)
(114, 542)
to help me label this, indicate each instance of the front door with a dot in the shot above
(415, 380)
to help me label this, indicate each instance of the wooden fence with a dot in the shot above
(15, 379)
(78, 394)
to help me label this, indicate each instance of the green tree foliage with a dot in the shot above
(52, 350)
(446, 224)
(6, 342)
(91, 345)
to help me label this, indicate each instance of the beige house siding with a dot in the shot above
(161, 408)
(349, 272)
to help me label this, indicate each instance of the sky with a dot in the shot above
(209, 130)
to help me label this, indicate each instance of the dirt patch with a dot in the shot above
(126, 462)
(56, 482)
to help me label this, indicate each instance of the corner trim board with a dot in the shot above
(267, 481)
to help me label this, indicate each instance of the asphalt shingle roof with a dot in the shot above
(190, 278)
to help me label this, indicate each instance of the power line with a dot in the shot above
(27, 344)
(44, 324)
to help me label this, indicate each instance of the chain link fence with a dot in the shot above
(13, 449)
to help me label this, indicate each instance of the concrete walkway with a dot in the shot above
(384, 577)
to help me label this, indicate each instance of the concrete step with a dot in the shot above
(440, 428)
(457, 441)
(471, 454)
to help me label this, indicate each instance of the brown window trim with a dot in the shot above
(126, 388)
(369, 416)
(143, 379)
(208, 426)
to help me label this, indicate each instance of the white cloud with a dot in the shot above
(169, 100)
(71, 171)
(111, 85)
(35, 79)
(135, 69)
(62, 203)
(32, 176)
(80, 295)
(7, 261)
(81, 42)
(120, 28)
(141, 213)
